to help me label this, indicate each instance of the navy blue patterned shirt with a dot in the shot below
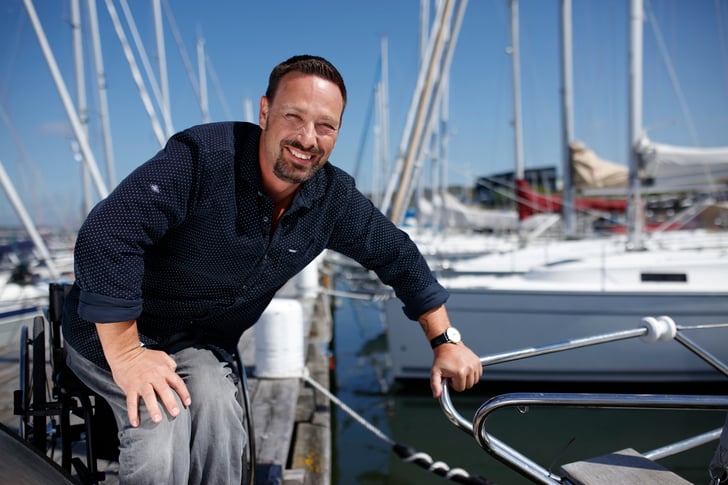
(184, 244)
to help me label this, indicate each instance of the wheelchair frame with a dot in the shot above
(47, 408)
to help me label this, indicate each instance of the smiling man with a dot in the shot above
(187, 252)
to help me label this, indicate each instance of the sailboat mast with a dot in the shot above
(102, 93)
(436, 116)
(516, 67)
(162, 63)
(202, 73)
(81, 137)
(81, 101)
(382, 120)
(568, 119)
(416, 122)
(634, 202)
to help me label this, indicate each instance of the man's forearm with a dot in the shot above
(118, 339)
(434, 322)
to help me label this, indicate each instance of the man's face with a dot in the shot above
(300, 126)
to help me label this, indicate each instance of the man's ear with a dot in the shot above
(263, 112)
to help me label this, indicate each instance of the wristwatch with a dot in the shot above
(451, 335)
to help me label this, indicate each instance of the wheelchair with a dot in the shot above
(64, 412)
(61, 411)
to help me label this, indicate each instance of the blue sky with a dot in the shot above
(244, 40)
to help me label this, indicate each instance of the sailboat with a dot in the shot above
(573, 288)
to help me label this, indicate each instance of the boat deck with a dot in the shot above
(626, 467)
(291, 420)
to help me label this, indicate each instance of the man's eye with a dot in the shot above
(327, 129)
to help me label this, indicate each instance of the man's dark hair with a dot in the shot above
(305, 64)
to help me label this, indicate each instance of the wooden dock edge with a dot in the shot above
(292, 421)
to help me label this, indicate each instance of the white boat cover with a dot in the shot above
(454, 214)
(675, 165)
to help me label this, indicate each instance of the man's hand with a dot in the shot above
(457, 363)
(148, 374)
(141, 373)
(452, 361)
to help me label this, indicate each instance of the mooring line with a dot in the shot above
(406, 453)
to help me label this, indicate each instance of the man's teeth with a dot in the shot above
(300, 155)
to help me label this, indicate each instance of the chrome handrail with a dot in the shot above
(661, 328)
(610, 401)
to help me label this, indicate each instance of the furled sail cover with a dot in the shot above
(669, 165)
(454, 214)
(591, 172)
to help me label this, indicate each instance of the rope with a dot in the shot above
(378, 433)
(406, 453)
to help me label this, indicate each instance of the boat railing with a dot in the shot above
(652, 329)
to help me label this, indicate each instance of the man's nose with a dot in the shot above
(307, 134)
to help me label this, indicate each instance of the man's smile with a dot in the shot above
(298, 154)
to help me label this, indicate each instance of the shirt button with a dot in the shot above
(265, 219)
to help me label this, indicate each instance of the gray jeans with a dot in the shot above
(203, 444)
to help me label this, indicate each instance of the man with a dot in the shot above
(190, 248)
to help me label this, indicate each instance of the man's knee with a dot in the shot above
(156, 453)
(212, 384)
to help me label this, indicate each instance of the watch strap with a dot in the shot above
(439, 340)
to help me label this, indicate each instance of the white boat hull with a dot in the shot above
(498, 321)
(579, 297)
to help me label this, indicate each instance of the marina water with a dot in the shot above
(410, 416)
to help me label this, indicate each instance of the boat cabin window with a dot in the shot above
(670, 277)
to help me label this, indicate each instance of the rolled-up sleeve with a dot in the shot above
(106, 309)
(371, 239)
(431, 297)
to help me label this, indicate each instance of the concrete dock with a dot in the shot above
(291, 419)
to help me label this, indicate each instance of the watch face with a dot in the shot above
(453, 335)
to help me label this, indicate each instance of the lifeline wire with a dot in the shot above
(378, 433)
(406, 453)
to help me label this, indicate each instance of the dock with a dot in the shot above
(292, 421)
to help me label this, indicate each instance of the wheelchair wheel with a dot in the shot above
(38, 386)
(30, 400)
(22, 399)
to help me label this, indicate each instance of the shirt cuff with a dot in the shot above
(106, 309)
(431, 297)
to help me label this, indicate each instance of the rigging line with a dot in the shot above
(153, 83)
(406, 453)
(671, 72)
(11, 52)
(182, 51)
(367, 122)
(376, 431)
(218, 87)
(136, 74)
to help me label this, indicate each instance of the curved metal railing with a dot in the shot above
(653, 329)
